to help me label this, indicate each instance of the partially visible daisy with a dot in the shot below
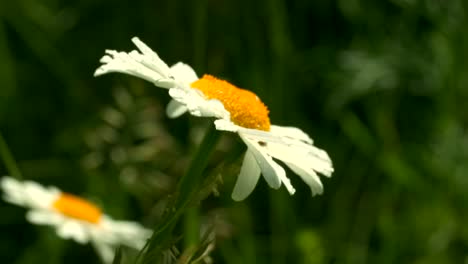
(73, 217)
(235, 110)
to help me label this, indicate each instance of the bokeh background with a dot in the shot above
(380, 85)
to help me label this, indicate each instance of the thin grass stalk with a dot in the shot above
(187, 189)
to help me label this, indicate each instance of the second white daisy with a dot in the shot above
(73, 217)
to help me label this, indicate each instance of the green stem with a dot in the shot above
(194, 178)
(191, 227)
(8, 159)
(280, 226)
(186, 192)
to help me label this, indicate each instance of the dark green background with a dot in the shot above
(380, 85)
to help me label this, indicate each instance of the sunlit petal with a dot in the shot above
(183, 73)
(272, 172)
(175, 109)
(247, 179)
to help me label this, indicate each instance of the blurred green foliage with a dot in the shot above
(381, 85)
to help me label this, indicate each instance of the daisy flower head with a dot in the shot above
(235, 110)
(73, 217)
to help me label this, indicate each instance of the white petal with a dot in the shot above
(128, 233)
(309, 177)
(39, 196)
(13, 191)
(301, 163)
(44, 217)
(151, 58)
(104, 234)
(287, 183)
(175, 109)
(321, 163)
(259, 135)
(27, 193)
(291, 149)
(226, 125)
(272, 172)
(197, 104)
(318, 158)
(310, 157)
(247, 179)
(282, 174)
(183, 73)
(291, 132)
(105, 251)
(74, 230)
(303, 159)
(146, 65)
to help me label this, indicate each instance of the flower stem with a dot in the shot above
(8, 159)
(186, 192)
(191, 227)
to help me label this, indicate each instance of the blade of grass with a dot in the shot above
(8, 159)
(186, 191)
(7, 73)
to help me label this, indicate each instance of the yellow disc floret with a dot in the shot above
(245, 107)
(78, 208)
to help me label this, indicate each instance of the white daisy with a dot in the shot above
(235, 110)
(73, 217)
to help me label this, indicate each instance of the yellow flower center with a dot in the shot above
(78, 208)
(245, 107)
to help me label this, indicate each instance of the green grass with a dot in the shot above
(382, 86)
